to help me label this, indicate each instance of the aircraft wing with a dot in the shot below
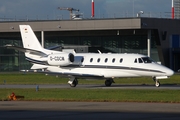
(67, 74)
(25, 50)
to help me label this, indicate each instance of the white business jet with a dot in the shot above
(88, 65)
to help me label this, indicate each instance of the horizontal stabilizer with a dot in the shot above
(25, 50)
(38, 66)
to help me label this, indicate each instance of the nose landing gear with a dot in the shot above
(157, 83)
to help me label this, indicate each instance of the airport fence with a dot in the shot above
(98, 16)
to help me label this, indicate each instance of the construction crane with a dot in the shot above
(69, 9)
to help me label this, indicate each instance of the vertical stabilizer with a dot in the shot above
(29, 39)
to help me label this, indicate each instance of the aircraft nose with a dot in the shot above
(169, 72)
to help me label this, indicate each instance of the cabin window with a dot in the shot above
(113, 60)
(135, 61)
(98, 60)
(121, 60)
(140, 60)
(91, 59)
(106, 60)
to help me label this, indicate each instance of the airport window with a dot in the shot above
(135, 61)
(91, 59)
(140, 60)
(98, 60)
(106, 60)
(113, 60)
(121, 60)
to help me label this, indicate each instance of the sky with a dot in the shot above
(47, 9)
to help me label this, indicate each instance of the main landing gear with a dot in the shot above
(109, 81)
(157, 83)
(73, 82)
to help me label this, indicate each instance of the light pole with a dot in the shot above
(133, 8)
(172, 9)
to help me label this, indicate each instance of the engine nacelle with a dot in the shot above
(62, 59)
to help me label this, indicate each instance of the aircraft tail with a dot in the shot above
(29, 39)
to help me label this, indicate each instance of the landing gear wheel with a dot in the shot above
(74, 83)
(157, 84)
(108, 82)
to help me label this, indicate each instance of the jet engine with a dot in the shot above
(62, 59)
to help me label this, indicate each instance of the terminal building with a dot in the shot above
(158, 38)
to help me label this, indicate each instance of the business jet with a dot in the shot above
(88, 65)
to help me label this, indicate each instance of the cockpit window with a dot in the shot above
(140, 60)
(147, 60)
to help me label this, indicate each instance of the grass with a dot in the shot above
(20, 78)
(98, 95)
(80, 94)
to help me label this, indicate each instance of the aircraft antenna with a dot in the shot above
(99, 52)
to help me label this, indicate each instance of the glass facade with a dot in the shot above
(13, 60)
(110, 43)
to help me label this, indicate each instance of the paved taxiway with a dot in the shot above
(115, 86)
(88, 110)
